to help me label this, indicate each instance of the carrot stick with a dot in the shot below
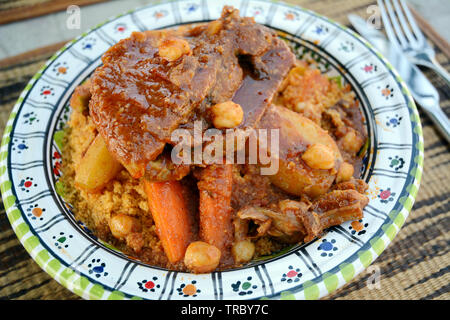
(171, 216)
(216, 225)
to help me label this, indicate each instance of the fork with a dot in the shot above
(405, 34)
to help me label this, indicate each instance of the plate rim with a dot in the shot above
(378, 243)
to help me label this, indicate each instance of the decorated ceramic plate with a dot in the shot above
(73, 256)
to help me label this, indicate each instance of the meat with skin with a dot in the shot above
(301, 220)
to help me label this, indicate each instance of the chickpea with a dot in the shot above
(345, 172)
(173, 48)
(227, 115)
(319, 156)
(243, 251)
(351, 142)
(201, 257)
(122, 225)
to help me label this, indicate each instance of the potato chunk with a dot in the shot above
(97, 167)
(296, 134)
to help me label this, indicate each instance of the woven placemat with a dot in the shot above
(414, 266)
(16, 10)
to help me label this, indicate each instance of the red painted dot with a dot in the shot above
(121, 29)
(385, 194)
(149, 285)
(291, 273)
(46, 92)
(28, 184)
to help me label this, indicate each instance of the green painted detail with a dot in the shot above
(413, 172)
(14, 114)
(28, 87)
(400, 220)
(419, 159)
(37, 75)
(14, 215)
(22, 229)
(136, 298)
(2, 170)
(5, 186)
(393, 214)
(331, 281)
(338, 80)
(277, 254)
(54, 56)
(403, 199)
(96, 292)
(408, 203)
(109, 246)
(311, 291)
(53, 267)
(6, 140)
(9, 202)
(389, 65)
(65, 277)
(414, 117)
(404, 91)
(348, 271)
(116, 295)
(7, 130)
(31, 243)
(80, 285)
(378, 245)
(58, 137)
(419, 145)
(412, 189)
(365, 257)
(418, 129)
(59, 188)
(99, 25)
(3, 155)
(390, 231)
(42, 257)
(287, 295)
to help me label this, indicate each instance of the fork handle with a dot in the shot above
(441, 71)
(433, 64)
(441, 121)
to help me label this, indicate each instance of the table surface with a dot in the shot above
(414, 266)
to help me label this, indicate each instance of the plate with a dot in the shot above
(30, 167)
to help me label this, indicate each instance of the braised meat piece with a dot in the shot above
(155, 81)
(301, 220)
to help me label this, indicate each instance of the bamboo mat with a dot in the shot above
(11, 11)
(414, 266)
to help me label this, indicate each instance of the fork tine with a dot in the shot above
(403, 22)
(387, 24)
(412, 22)
(398, 30)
